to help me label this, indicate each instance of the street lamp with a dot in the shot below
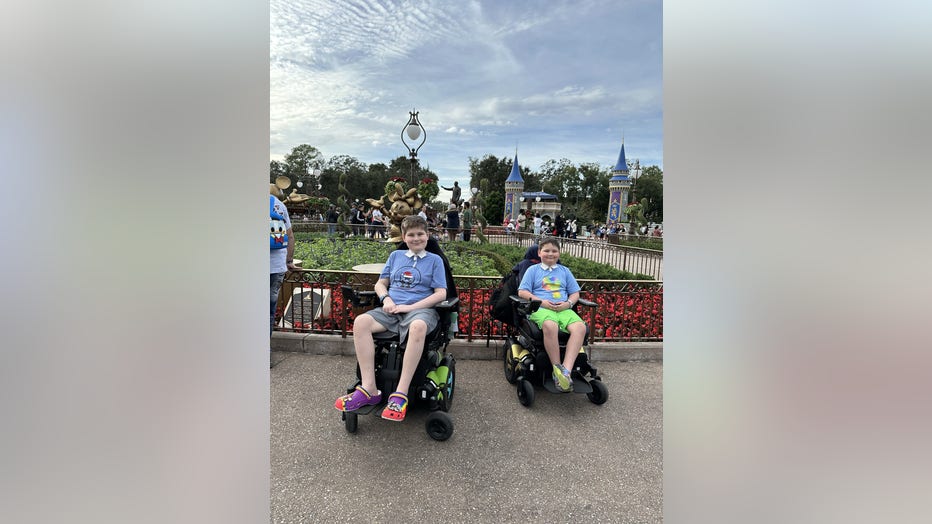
(416, 133)
(309, 173)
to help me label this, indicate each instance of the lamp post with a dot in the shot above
(309, 173)
(415, 133)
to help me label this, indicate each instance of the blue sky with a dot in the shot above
(559, 79)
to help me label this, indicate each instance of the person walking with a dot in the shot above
(378, 223)
(453, 222)
(332, 216)
(466, 217)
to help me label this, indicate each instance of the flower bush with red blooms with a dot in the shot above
(619, 315)
(631, 315)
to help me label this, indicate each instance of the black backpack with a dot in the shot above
(500, 307)
(499, 304)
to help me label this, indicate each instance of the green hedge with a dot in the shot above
(320, 252)
(506, 256)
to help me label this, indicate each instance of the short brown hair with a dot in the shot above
(413, 222)
(548, 240)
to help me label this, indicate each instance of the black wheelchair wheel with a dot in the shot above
(599, 393)
(439, 426)
(525, 393)
(350, 420)
(510, 374)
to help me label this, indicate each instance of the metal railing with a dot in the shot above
(633, 259)
(310, 301)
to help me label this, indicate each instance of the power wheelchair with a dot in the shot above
(526, 363)
(434, 379)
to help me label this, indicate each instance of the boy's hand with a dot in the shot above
(554, 306)
(389, 307)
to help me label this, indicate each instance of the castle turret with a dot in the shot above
(514, 187)
(618, 187)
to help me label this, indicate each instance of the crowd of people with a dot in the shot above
(458, 221)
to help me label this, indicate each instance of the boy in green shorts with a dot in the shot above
(555, 287)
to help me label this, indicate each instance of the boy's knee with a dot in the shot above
(418, 327)
(362, 323)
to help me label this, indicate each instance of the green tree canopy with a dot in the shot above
(277, 169)
(650, 186)
(582, 189)
(493, 171)
(300, 160)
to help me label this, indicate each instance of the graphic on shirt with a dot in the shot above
(278, 237)
(407, 278)
(552, 284)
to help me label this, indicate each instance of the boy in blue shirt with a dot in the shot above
(556, 288)
(410, 285)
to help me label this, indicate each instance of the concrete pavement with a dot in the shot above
(562, 460)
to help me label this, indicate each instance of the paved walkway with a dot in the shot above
(563, 460)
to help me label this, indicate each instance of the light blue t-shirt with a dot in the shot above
(555, 284)
(412, 278)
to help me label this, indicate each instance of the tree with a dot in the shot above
(353, 175)
(494, 172)
(277, 169)
(594, 187)
(300, 159)
(650, 187)
(478, 202)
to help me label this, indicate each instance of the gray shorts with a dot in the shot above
(400, 322)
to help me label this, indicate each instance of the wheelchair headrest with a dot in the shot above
(531, 254)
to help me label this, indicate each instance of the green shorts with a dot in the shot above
(562, 318)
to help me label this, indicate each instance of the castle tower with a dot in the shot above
(618, 187)
(514, 187)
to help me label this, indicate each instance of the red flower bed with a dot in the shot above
(635, 314)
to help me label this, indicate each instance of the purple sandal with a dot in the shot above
(357, 399)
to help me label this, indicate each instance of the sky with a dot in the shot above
(550, 79)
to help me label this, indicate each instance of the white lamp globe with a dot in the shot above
(413, 130)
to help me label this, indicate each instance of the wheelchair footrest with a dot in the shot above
(580, 385)
(365, 410)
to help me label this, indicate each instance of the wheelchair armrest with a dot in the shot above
(448, 305)
(587, 303)
(524, 306)
(358, 298)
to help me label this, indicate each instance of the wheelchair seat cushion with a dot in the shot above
(400, 323)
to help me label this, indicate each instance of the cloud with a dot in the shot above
(483, 75)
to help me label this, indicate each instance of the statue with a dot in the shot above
(455, 199)
(396, 204)
(277, 189)
(296, 198)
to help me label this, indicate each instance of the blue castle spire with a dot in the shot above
(620, 172)
(515, 175)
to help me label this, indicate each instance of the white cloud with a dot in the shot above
(343, 76)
